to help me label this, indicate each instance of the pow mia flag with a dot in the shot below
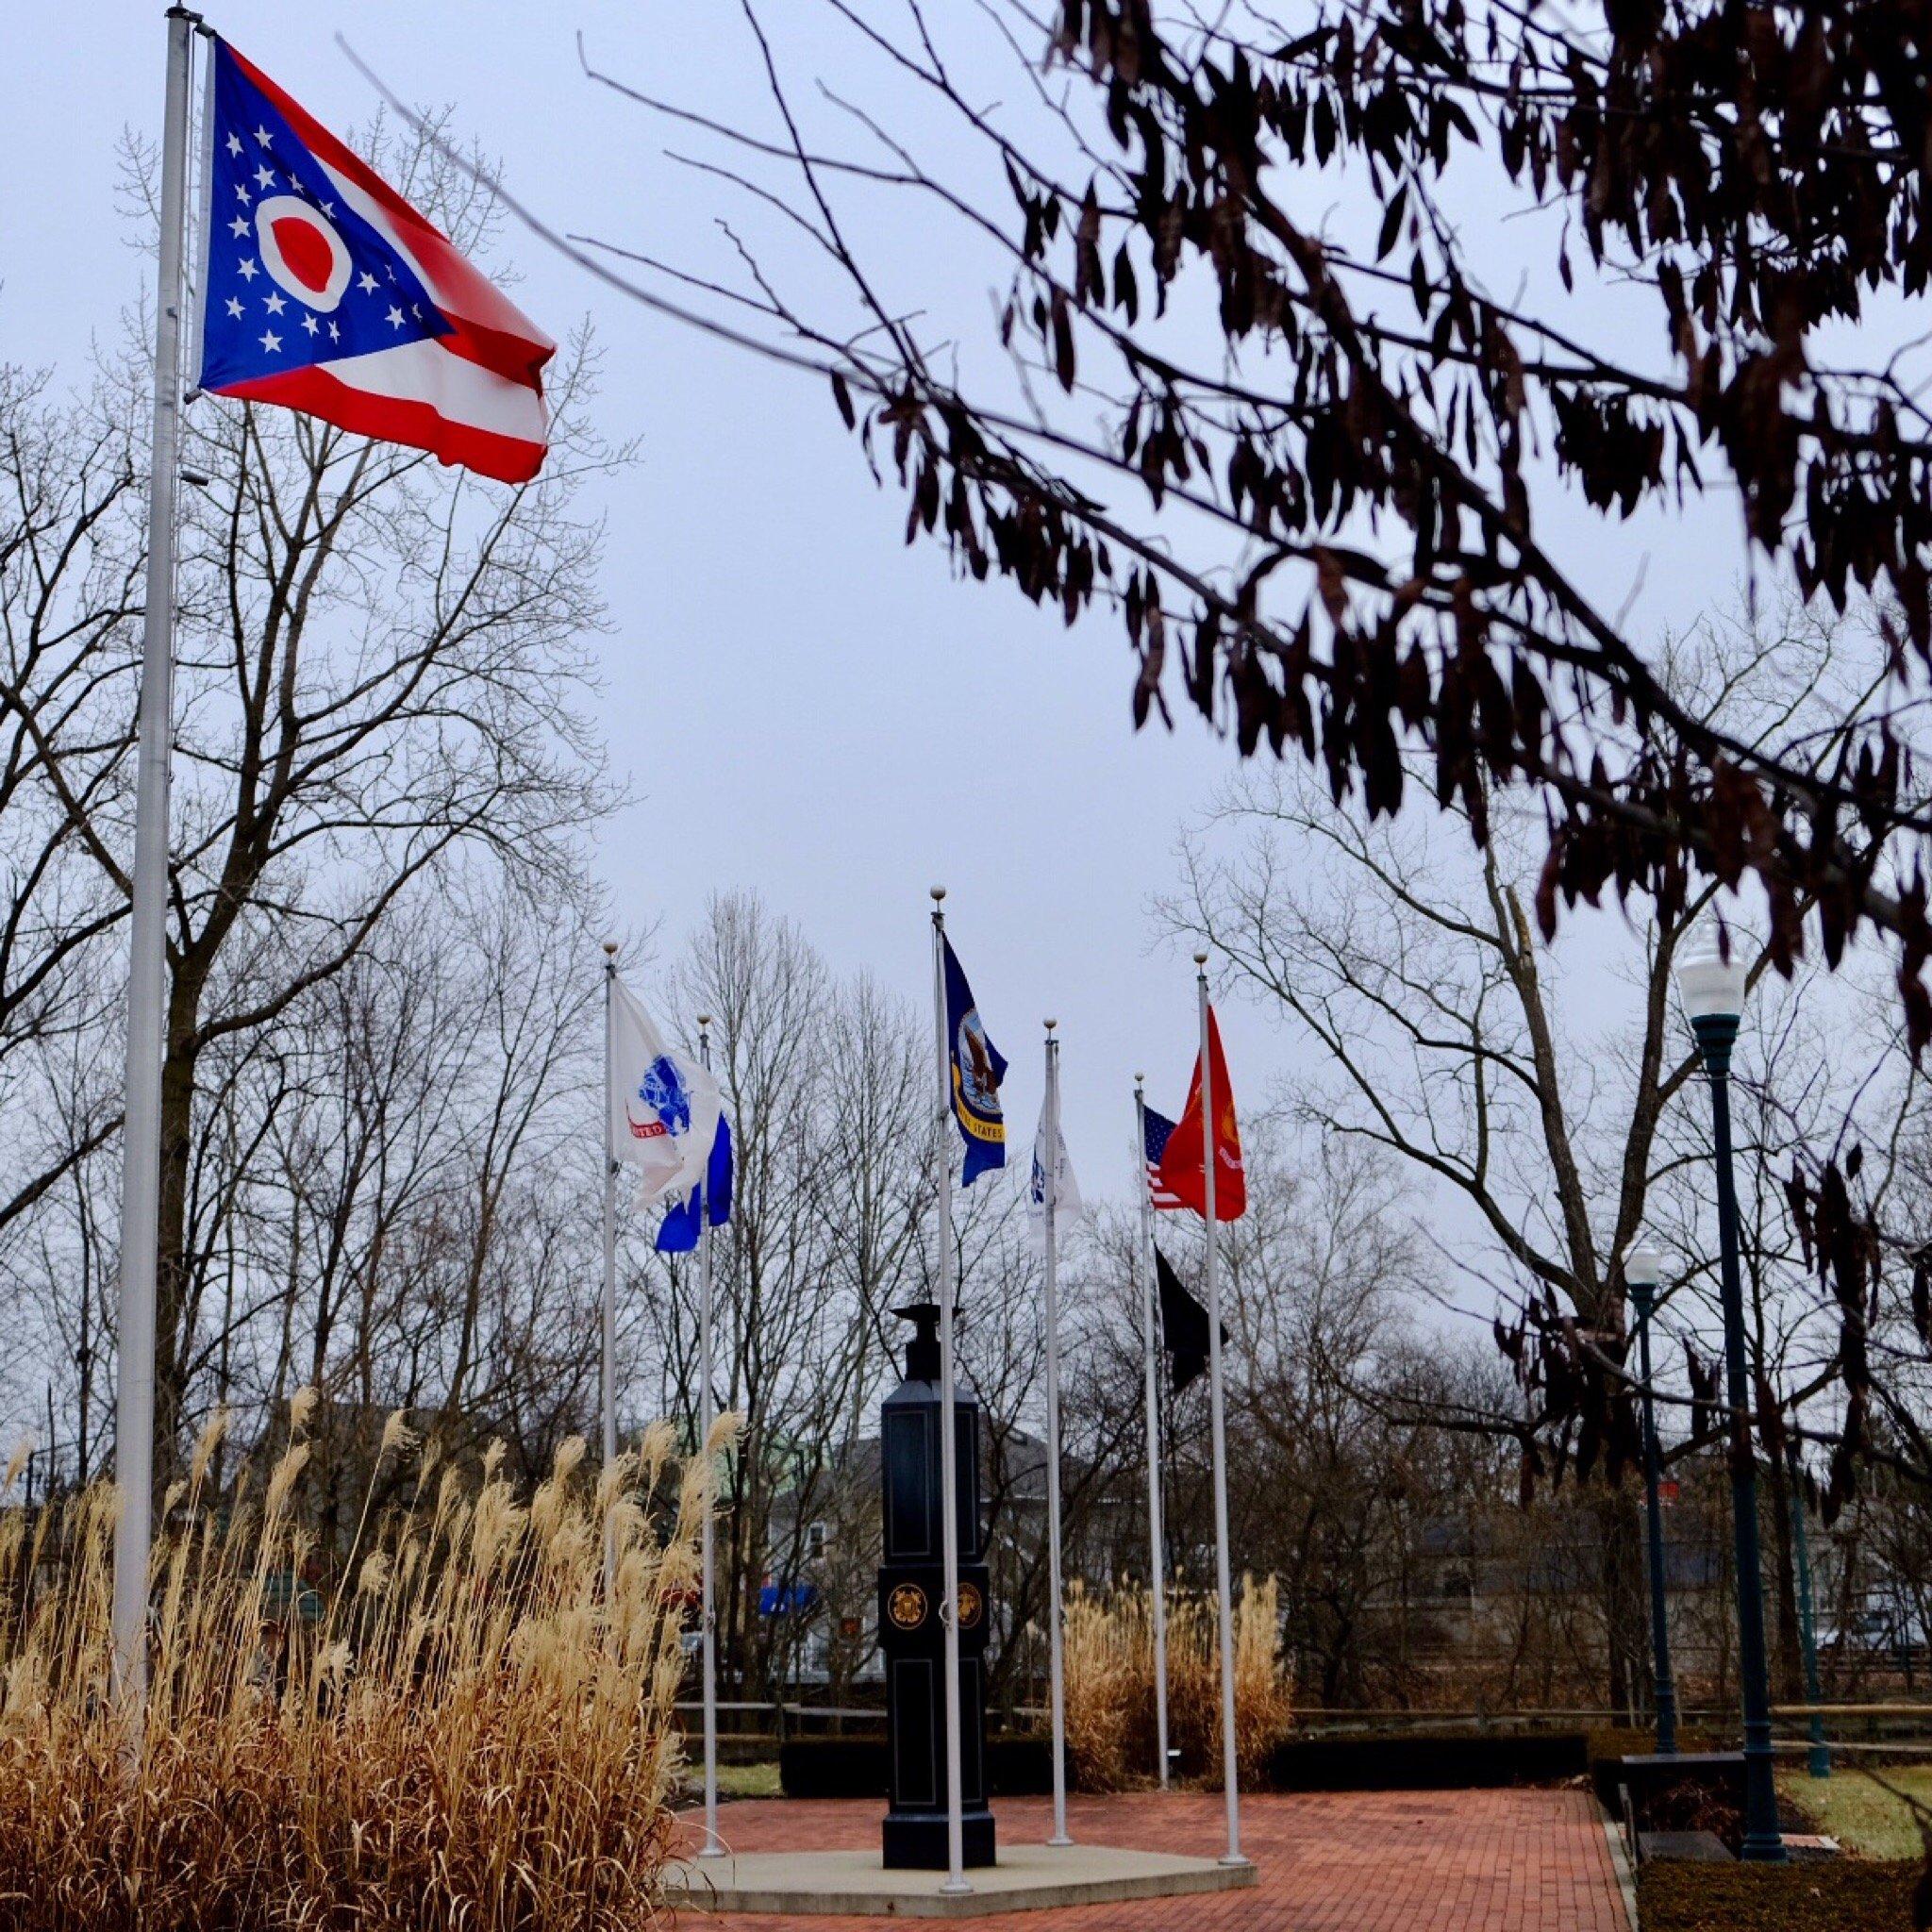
(1183, 1326)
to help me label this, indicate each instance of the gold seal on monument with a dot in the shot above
(969, 1605)
(907, 1606)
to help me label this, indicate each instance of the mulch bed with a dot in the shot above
(1851, 1895)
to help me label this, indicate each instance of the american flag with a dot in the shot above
(1155, 1131)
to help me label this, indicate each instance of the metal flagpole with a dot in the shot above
(1216, 1412)
(140, 1158)
(949, 1454)
(1156, 1544)
(1051, 1185)
(607, 1367)
(706, 1354)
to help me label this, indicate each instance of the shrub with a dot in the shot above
(469, 1731)
(1110, 1685)
(1108, 1649)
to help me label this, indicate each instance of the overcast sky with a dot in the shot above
(805, 705)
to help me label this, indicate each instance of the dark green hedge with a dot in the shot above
(1427, 1761)
(856, 1767)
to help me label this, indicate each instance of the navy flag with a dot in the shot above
(976, 1067)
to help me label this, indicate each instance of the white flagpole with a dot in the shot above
(606, 1365)
(949, 1475)
(140, 1158)
(1056, 1666)
(1216, 1411)
(712, 1847)
(1157, 1548)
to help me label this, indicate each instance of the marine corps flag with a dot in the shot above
(1182, 1173)
(976, 1067)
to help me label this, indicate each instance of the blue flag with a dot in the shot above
(976, 1067)
(679, 1234)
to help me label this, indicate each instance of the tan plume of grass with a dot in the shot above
(469, 1735)
(1108, 1652)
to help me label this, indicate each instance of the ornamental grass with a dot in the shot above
(469, 1732)
(1107, 1650)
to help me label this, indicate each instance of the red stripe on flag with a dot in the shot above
(392, 419)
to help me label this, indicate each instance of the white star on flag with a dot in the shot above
(270, 340)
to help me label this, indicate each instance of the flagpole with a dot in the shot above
(712, 1847)
(1156, 1560)
(949, 1473)
(607, 1363)
(1055, 1665)
(141, 1157)
(1216, 1411)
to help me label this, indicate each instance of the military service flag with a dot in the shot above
(976, 1067)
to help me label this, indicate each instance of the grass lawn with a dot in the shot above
(748, 1780)
(1843, 1896)
(1867, 1820)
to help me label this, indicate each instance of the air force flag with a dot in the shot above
(665, 1108)
(977, 1067)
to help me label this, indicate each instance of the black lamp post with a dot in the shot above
(1641, 1271)
(1713, 994)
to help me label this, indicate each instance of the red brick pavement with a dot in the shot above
(1372, 1862)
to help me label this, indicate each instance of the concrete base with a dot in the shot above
(1027, 1878)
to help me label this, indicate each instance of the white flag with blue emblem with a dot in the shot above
(664, 1107)
(1067, 1206)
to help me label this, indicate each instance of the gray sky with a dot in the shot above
(806, 705)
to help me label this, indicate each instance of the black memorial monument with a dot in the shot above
(911, 1589)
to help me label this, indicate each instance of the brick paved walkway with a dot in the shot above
(1368, 1862)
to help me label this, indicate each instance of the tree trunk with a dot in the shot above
(173, 1349)
(1787, 1661)
(1626, 1621)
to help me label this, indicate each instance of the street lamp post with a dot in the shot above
(1713, 994)
(1641, 1269)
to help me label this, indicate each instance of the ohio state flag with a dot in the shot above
(323, 289)
(1182, 1171)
